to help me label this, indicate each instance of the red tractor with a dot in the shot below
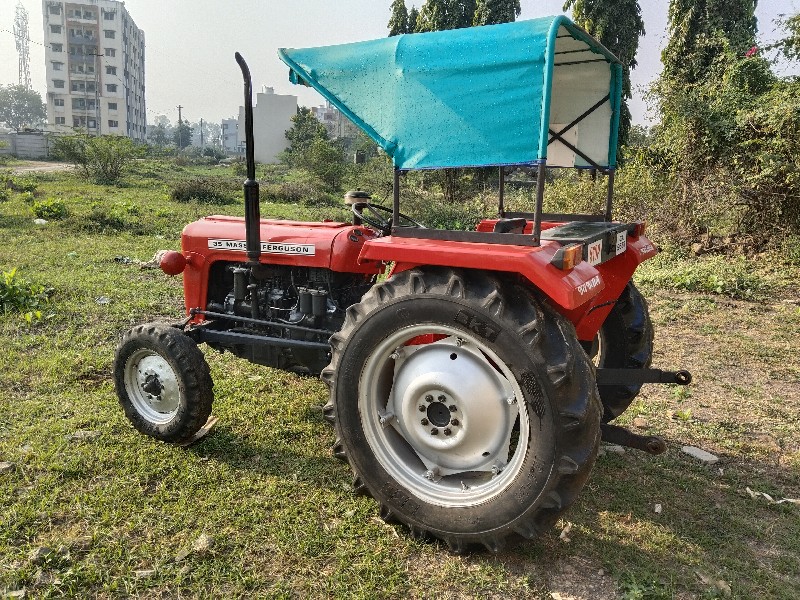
(469, 387)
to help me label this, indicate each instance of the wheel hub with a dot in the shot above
(152, 386)
(452, 407)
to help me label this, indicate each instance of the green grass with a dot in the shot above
(276, 504)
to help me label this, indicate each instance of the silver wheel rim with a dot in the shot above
(458, 387)
(152, 386)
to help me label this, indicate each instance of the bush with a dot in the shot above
(28, 198)
(4, 195)
(22, 184)
(50, 209)
(104, 158)
(211, 190)
(21, 296)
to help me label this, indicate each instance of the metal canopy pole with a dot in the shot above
(610, 197)
(396, 203)
(501, 209)
(537, 215)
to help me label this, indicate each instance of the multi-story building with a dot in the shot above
(95, 68)
(230, 137)
(337, 125)
(272, 117)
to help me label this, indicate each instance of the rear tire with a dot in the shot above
(625, 341)
(163, 382)
(466, 408)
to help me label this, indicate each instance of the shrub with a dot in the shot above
(22, 184)
(50, 209)
(3, 194)
(28, 198)
(211, 190)
(104, 158)
(22, 296)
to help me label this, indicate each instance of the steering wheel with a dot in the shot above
(380, 217)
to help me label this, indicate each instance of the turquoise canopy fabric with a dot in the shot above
(479, 96)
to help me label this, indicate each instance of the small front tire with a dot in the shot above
(163, 382)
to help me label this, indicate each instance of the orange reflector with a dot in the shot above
(638, 229)
(567, 257)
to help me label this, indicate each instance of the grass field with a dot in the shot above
(260, 508)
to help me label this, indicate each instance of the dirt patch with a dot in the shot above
(35, 166)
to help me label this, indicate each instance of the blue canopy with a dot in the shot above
(492, 95)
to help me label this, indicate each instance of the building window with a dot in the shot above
(55, 9)
(57, 47)
(112, 106)
(61, 120)
(111, 70)
(91, 123)
(58, 66)
(58, 83)
(89, 16)
(108, 16)
(111, 87)
(111, 52)
(55, 28)
(112, 123)
(109, 33)
(58, 102)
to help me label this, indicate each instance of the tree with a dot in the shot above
(398, 23)
(182, 136)
(413, 17)
(158, 135)
(617, 24)
(700, 30)
(439, 15)
(20, 106)
(304, 130)
(790, 45)
(490, 12)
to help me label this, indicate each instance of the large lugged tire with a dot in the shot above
(625, 341)
(467, 409)
(163, 382)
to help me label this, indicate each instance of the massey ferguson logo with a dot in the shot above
(266, 247)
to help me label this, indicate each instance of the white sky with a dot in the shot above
(190, 45)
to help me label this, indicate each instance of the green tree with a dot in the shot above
(20, 106)
(398, 23)
(490, 12)
(701, 30)
(439, 15)
(182, 136)
(790, 45)
(617, 24)
(304, 130)
(413, 17)
(158, 135)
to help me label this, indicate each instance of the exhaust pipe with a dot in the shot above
(252, 214)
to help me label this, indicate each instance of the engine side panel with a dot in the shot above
(328, 245)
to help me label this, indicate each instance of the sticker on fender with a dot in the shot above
(622, 242)
(267, 247)
(594, 252)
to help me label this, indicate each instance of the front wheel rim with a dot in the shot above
(446, 419)
(151, 384)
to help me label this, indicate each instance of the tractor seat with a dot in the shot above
(510, 225)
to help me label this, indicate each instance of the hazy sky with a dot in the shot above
(190, 45)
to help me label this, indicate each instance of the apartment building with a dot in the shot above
(95, 68)
(272, 117)
(230, 137)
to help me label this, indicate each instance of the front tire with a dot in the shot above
(163, 382)
(464, 406)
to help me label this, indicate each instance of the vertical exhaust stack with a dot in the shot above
(252, 215)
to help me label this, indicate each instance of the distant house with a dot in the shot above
(272, 116)
(230, 137)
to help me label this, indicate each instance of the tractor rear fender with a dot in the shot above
(583, 294)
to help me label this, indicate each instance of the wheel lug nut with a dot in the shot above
(428, 398)
(454, 422)
(422, 408)
(442, 398)
(424, 421)
(434, 431)
(452, 408)
(447, 431)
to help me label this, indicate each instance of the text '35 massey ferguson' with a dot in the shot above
(462, 387)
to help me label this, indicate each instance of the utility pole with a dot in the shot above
(180, 129)
(201, 133)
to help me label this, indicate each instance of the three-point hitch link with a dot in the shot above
(615, 434)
